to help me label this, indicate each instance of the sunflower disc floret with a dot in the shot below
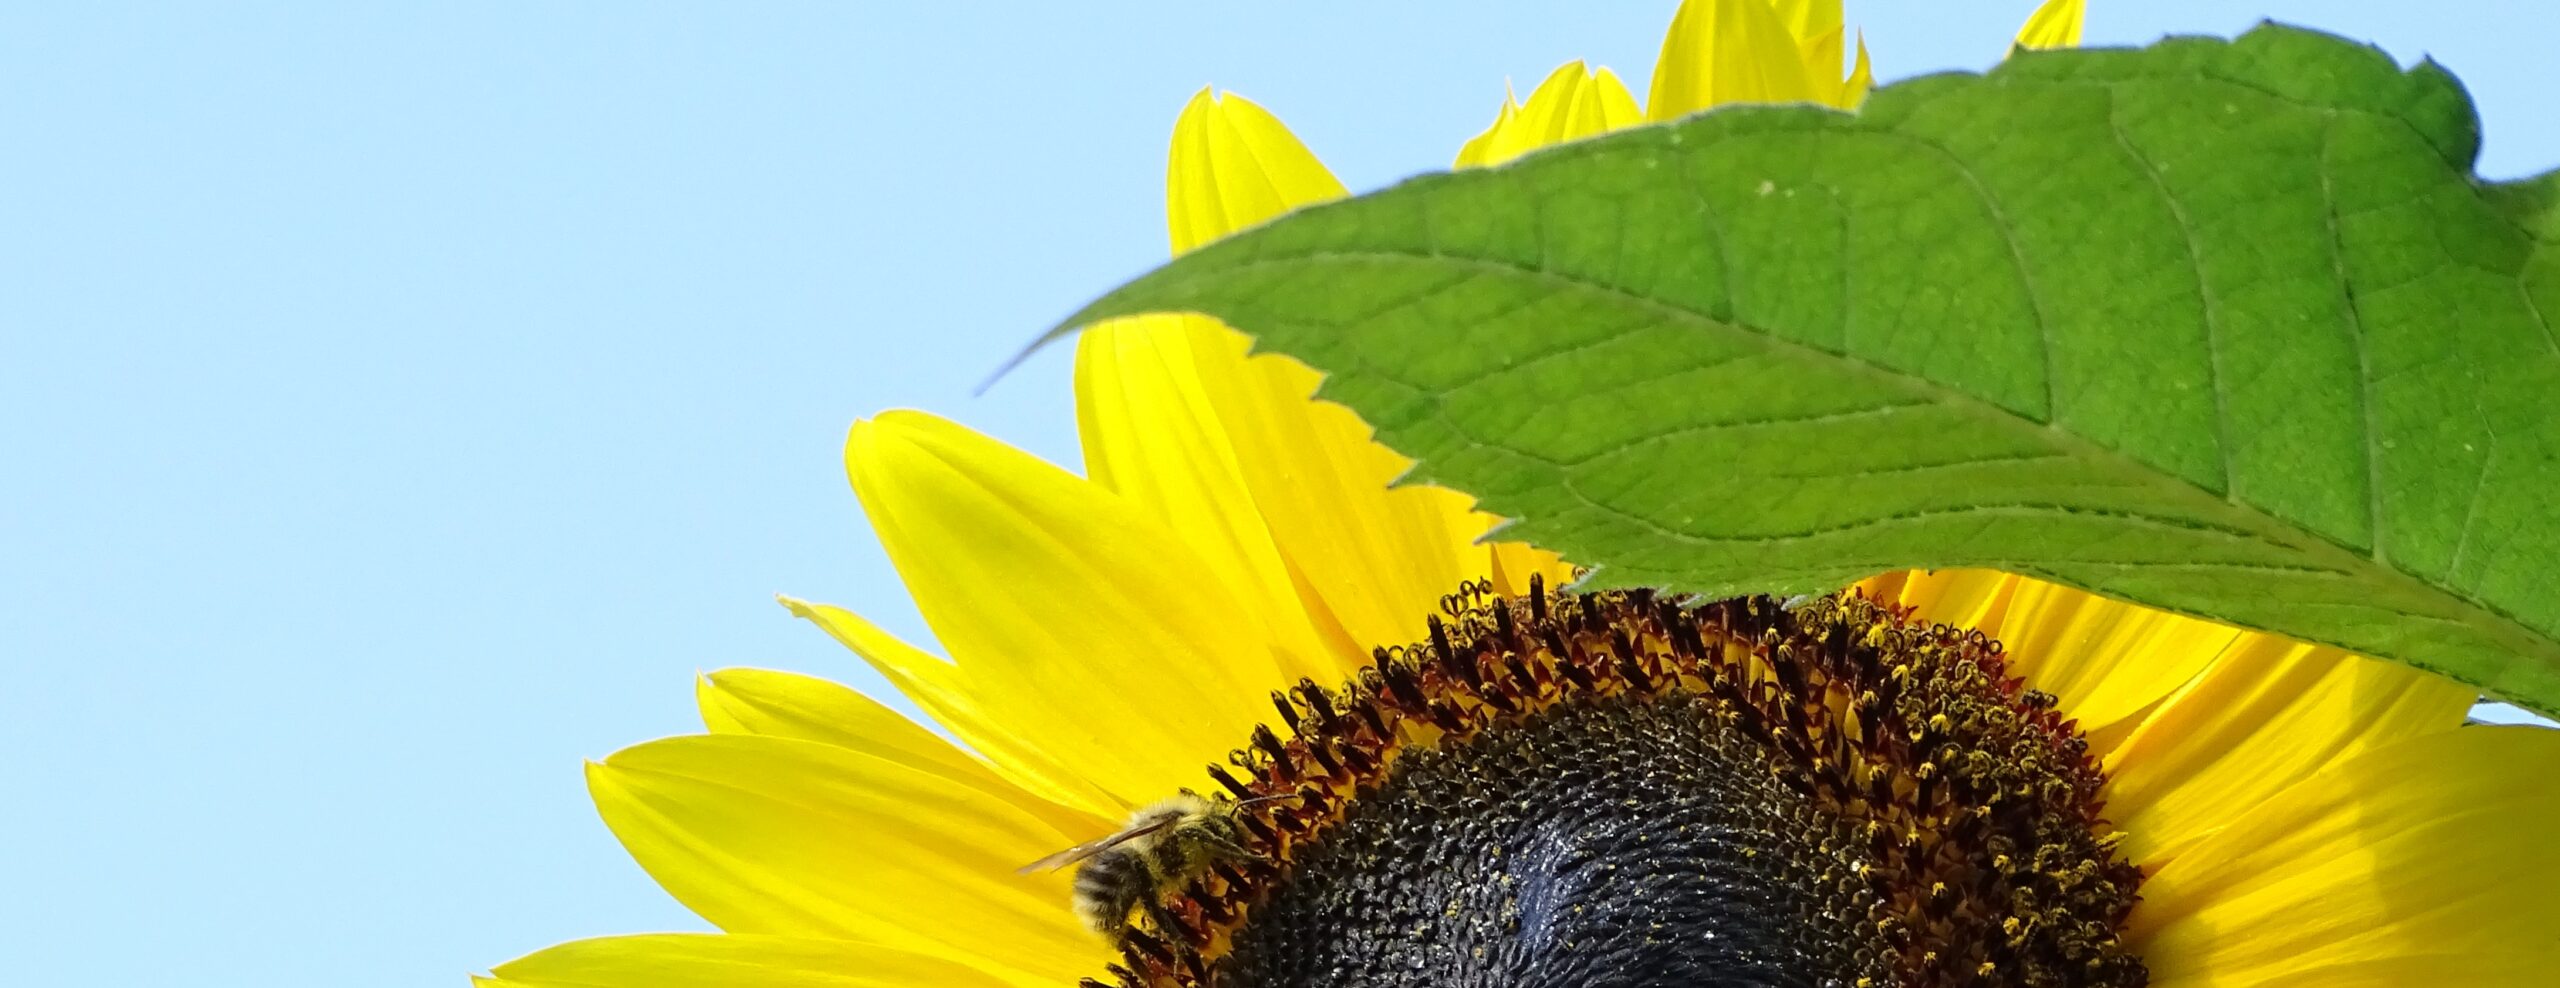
(1614, 788)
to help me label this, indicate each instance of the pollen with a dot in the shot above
(1623, 788)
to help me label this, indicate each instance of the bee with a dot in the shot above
(1163, 846)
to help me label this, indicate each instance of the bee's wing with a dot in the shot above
(1093, 847)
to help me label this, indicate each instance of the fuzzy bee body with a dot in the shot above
(1110, 884)
(1162, 847)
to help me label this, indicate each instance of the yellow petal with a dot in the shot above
(1853, 92)
(1366, 563)
(2269, 713)
(1370, 560)
(1152, 434)
(2054, 25)
(1513, 562)
(2427, 862)
(1573, 103)
(707, 960)
(1074, 617)
(1885, 586)
(1732, 51)
(794, 838)
(806, 708)
(1965, 598)
(939, 689)
(1818, 29)
(1478, 151)
(2106, 660)
(1235, 165)
(1603, 104)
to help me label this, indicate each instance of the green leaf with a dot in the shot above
(2228, 328)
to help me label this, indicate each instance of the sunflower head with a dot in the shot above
(1936, 779)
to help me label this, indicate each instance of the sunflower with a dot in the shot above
(1428, 763)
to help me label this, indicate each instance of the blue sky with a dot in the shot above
(402, 405)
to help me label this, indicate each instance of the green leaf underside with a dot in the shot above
(2228, 328)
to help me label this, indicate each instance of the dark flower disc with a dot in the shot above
(1616, 790)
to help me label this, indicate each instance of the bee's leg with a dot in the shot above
(1164, 879)
(1164, 922)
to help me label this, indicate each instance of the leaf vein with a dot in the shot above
(2356, 332)
(2017, 260)
(2207, 311)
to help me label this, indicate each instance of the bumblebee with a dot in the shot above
(1163, 847)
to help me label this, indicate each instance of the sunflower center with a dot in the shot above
(1604, 841)
(1610, 789)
